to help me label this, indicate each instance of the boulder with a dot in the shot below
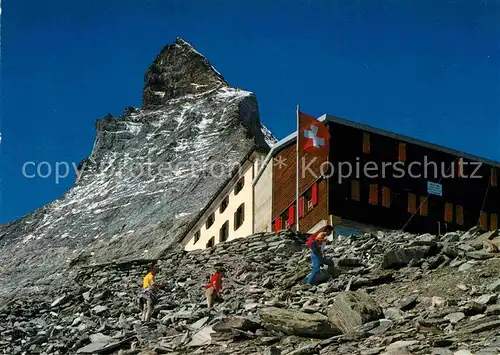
(451, 237)
(478, 255)
(472, 308)
(455, 317)
(427, 238)
(238, 323)
(494, 286)
(393, 313)
(408, 302)
(483, 326)
(298, 323)
(487, 299)
(400, 257)
(494, 309)
(202, 337)
(352, 309)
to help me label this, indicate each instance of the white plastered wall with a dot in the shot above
(263, 199)
(244, 196)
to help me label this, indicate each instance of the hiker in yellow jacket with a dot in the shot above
(148, 297)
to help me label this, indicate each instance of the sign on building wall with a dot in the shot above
(434, 188)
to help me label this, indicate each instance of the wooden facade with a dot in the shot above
(386, 194)
(313, 190)
(388, 199)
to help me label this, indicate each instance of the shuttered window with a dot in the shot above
(224, 232)
(483, 220)
(277, 224)
(412, 203)
(424, 206)
(493, 221)
(355, 190)
(291, 215)
(494, 177)
(211, 243)
(448, 212)
(366, 142)
(386, 196)
(402, 152)
(459, 210)
(373, 198)
(239, 216)
(314, 194)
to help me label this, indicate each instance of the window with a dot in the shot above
(494, 177)
(355, 190)
(402, 152)
(459, 211)
(211, 242)
(307, 200)
(301, 206)
(291, 215)
(239, 185)
(210, 221)
(424, 206)
(314, 194)
(277, 224)
(224, 232)
(448, 212)
(493, 221)
(239, 216)
(224, 204)
(196, 237)
(373, 198)
(284, 219)
(483, 220)
(386, 196)
(412, 203)
(366, 142)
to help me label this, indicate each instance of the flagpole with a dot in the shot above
(297, 173)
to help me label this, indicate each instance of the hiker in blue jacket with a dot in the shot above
(314, 243)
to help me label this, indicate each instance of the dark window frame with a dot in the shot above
(225, 226)
(238, 221)
(224, 204)
(210, 243)
(239, 186)
(210, 221)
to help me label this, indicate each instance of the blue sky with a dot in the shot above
(427, 69)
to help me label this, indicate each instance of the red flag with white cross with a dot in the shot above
(314, 136)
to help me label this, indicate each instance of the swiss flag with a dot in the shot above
(314, 136)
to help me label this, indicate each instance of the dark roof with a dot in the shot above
(285, 142)
(407, 139)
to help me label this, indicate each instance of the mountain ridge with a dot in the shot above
(147, 177)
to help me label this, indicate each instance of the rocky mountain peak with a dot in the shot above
(179, 69)
(147, 178)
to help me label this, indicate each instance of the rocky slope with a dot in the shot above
(149, 173)
(392, 294)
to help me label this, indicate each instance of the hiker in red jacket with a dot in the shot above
(213, 289)
(314, 243)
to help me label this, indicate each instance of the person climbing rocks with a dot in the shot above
(314, 243)
(213, 289)
(148, 297)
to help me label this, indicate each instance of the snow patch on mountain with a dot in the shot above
(149, 172)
